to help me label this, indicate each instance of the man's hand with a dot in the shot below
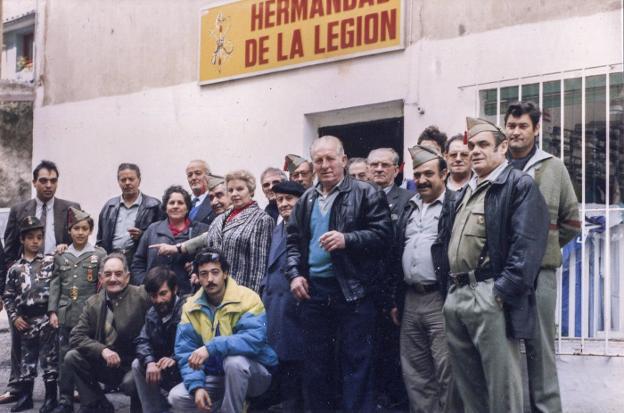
(198, 357)
(394, 316)
(54, 320)
(112, 358)
(21, 324)
(165, 363)
(194, 279)
(202, 400)
(135, 233)
(188, 266)
(60, 249)
(165, 249)
(152, 373)
(332, 240)
(299, 288)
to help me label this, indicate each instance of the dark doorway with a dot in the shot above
(362, 137)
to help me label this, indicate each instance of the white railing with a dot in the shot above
(590, 303)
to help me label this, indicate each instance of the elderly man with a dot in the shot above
(458, 159)
(52, 212)
(218, 194)
(357, 168)
(424, 352)
(197, 175)
(490, 244)
(155, 370)
(102, 341)
(299, 170)
(268, 179)
(337, 235)
(383, 168)
(522, 126)
(283, 324)
(221, 343)
(124, 218)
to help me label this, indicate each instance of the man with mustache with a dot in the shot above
(218, 194)
(102, 341)
(490, 244)
(522, 125)
(197, 175)
(52, 212)
(458, 160)
(155, 369)
(221, 344)
(420, 296)
(124, 218)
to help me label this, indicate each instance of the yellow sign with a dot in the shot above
(251, 37)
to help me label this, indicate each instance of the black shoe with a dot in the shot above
(63, 408)
(101, 406)
(25, 402)
(50, 402)
(8, 397)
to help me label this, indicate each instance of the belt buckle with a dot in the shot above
(419, 288)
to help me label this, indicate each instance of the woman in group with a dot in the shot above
(243, 233)
(174, 229)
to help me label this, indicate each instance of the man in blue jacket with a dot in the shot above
(221, 344)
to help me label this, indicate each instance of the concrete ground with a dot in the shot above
(121, 402)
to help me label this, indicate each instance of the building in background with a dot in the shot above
(120, 81)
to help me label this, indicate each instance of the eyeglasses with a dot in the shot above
(270, 184)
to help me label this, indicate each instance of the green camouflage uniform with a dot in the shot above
(26, 295)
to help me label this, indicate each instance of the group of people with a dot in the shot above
(349, 291)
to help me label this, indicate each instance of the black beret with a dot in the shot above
(289, 187)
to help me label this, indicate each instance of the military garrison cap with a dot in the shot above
(293, 162)
(75, 215)
(214, 181)
(421, 154)
(478, 125)
(29, 223)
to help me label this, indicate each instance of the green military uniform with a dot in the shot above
(489, 375)
(76, 277)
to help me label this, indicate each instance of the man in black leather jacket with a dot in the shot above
(491, 240)
(155, 366)
(124, 218)
(338, 232)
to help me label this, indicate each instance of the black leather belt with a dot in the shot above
(463, 278)
(424, 288)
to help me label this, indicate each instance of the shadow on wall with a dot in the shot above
(16, 126)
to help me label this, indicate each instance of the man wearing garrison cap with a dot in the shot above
(489, 249)
(420, 296)
(299, 170)
(218, 194)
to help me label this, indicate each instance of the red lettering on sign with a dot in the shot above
(269, 13)
(371, 28)
(332, 36)
(296, 47)
(282, 12)
(346, 33)
(388, 25)
(256, 17)
(250, 52)
(280, 47)
(317, 40)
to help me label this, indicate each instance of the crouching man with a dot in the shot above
(102, 341)
(155, 368)
(221, 343)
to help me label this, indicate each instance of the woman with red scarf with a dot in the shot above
(174, 229)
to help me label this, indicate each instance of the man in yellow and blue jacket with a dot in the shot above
(221, 343)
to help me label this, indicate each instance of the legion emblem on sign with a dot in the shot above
(223, 46)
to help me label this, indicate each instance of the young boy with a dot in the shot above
(26, 301)
(76, 274)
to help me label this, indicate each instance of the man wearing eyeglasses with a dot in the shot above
(458, 159)
(221, 343)
(52, 212)
(268, 179)
(300, 170)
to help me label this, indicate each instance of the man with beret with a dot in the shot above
(490, 244)
(124, 219)
(299, 170)
(383, 168)
(218, 194)
(522, 126)
(197, 175)
(283, 324)
(52, 212)
(337, 235)
(420, 296)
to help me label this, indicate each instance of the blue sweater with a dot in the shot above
(319, 260)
